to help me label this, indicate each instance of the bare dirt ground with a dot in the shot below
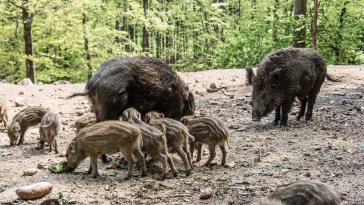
(328, 149)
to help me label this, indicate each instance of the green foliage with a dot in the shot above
(190, 35)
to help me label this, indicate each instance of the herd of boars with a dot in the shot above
(140, 107)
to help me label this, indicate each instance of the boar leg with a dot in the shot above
(183, 156)
(192, 148)
(170, 162)
(277, 116)
(311, 101)
(139, 155)
(302, 108)
(129, 157)
(55, 145)
(223, 151)
(212, 154)
(163, 159)
(199, 152)
(286, 107)
(21, 139)
(95, 172)
(105, 159)
(188, 156)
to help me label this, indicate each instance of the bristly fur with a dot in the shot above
(282, 76)
(141, 82)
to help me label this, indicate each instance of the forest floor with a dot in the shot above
(328, 149)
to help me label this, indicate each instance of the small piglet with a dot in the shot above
(177, 136)
(26, 118)
(210, 131)
(106, 137)
(154, 141)
(3, 113)
(49, 131)
(85, 121)
(305, 192)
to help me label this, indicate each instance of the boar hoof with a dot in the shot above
(175, 174)
(105, 159)
(307, 118)
(95, 175)
(188, 172)
(275, 122)
(298, 118)
(127, 177)
(143, 174)
(164, 176)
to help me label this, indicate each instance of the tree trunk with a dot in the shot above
(275, 20)
(299, 30)
(86, 46)
(27, 22)
(314, 29)
(145, 44)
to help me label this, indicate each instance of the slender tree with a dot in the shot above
(314, 30)
(299, 32)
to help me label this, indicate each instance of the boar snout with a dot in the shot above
(69, 168)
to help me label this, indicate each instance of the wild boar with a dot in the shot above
(305, 192)
(154, 141)
(85, 121)
(265, 201)
(207, 130)
(107, 137)
(49, 131)
(3, 113)
(283, 75)
(177, 136)
(141, 82)
(26, 118)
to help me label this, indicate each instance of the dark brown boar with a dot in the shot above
(177, 136)
(85, 121)
(282, 76)
(207, 130)
(107, 137)
(49, 131)
(141, 82)
(154, 141)
(305, 192)
(3, 113)
(26, 118)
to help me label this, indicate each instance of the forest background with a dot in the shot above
(69, 39)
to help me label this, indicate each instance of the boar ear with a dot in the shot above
(184, 120)
(139, 116)
(161, 115)
(73, 147)
(275, 77)
(17, 126)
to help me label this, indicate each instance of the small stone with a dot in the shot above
(307, 174)
(62, 154)
(25, 81)
(230, 164)
(41, 166)
(20, 102)
(206, 194)
(34, 191)
(30, 172)
(213, 102)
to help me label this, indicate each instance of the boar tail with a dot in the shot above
(164, 130)
(2, 111)
(227, 141)
(190, 137)
(48, 125)
(77, 94)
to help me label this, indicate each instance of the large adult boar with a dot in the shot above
(283, 75)
(141, 82)
(26, 118)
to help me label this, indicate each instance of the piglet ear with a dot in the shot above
(17, 126)
(161, 115)
(73, 147)
(184, 120)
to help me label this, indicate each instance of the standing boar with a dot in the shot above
(85, 121)
(154, 141)
(3, 113)
(210, 131)
(141, 82)
(22, 121)
(49, 131)
(282, 76)
(177, 136)
(107, 137)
